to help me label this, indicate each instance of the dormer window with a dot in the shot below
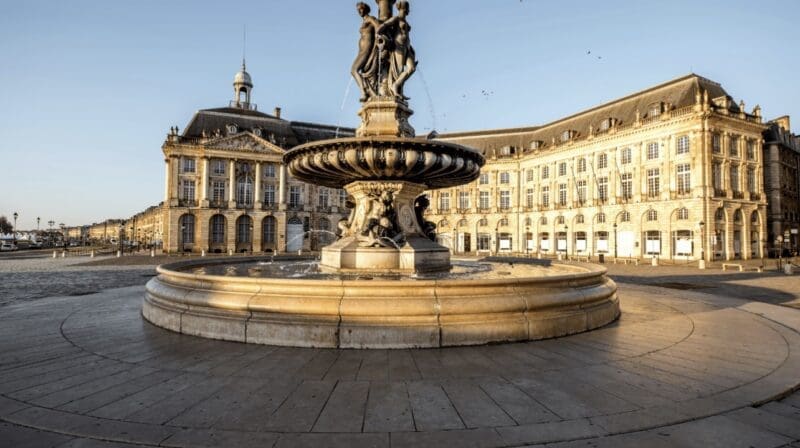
(257, 132)
(507, 151)
(536, 145)
(231, 129)
(655, 110)
(607, 124)
(567, 136)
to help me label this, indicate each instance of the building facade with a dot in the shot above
(674, 172)
(227, 190)
(782, 184)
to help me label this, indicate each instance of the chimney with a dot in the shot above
(277, 112)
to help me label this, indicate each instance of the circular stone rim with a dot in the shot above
(359, 313)
(419, 144)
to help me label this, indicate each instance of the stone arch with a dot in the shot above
(217, 233)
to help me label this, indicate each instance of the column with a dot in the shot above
(204, 182)
(232, 184)
(167, 180)
(257, 197)
(282, 188)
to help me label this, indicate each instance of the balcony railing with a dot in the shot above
(755, 196)
(720, 193)
(187, 203)
(295, 207)
(218, 204)
(269, 206)
(738, 195)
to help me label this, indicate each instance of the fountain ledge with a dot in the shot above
(379, 313)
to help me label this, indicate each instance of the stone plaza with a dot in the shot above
(695, 360)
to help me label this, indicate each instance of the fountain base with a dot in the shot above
(418, 255)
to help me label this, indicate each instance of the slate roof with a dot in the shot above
(284, 133)
(673, 94)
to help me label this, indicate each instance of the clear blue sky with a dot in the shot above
(88, 89)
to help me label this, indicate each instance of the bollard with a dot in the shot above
(203, 253)
(300, 252)
(54, 254)
(230, 252)
(787, 269)
(654, 261)
(119, 253)
(702, 264)
(63, 254)
(152, 253)
(91, 254)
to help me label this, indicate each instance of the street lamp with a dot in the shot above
(14, 232)
(566, 241)
(50, 232)
(528, 237)
(37, 223)
(120, 236)
(183, 239)
(702, 263)
(615, 241)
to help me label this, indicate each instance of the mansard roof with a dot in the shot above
(675, 94)
(208, 123)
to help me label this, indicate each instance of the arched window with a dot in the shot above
(187, 229)
(560, 220)
(217, 229)
(754, 218)
(625, 217)
(528, 221)
(503, 222)
(268, 230)
(652, 215)
(463, 223)
(579, 219)
(244, 227)
(601, 218)
(683, 213)
(443, 224)
(720, 215)
(483, 222)
(543, 220)
(737, 216)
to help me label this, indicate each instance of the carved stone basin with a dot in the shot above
(336, 163)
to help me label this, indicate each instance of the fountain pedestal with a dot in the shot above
(385, 117)
(385, 232)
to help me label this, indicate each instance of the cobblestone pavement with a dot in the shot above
(693, 371)
(40, 277)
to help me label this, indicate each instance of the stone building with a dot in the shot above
(146, 228)
(228, 191)
(674, 171)
(782, 183)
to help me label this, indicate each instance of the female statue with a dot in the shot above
(364, 67)
(403, 60)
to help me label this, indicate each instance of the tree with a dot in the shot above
(5, 226)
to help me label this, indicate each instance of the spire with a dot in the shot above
(242, 83)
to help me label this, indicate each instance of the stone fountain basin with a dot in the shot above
(379, 313)
(336, 163)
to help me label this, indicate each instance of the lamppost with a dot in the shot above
(37, 223)
(120, 236)
(702, 263)
(615, 241)
(50, 232)
(14, 231)
(183, 239)
(566, 241)
(527, 239)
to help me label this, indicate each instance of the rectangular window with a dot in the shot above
(684, 178)
(269, 170)
(581, 165)
(716, 176)
(545, 172)
(545, 196)
(342, 198)
(530, 197)
(444, 201)
(188, 166)
(602, 188)
(733, 146)
(269, 195)
(682, 146)
(463, 200)
(505, 199)
(627, 156)
(323, 197)
(751, 150)
(188, 190)
(735, 178)
(652, 151)
(602, 161)
(219, 167)
(294, 196)
(483, 200)
(484, 179)
(529, 176)
(626, 180)
(653, 182)
(581, 187)
(505, 178)
(218, 191)
(484, 241)
(562, 169)
(716, 143)
(751, 180)
(562, 194)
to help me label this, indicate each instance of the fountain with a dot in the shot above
(385, 283)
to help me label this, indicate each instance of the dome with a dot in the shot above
(242, 77)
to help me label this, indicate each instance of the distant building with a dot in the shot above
(673, 172)
(782, 183)
(228, 191)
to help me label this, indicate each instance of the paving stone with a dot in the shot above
(20, 437)
(470, 438)
(431, 408)
(207, 438)
(300, 410)
(474, 406)
(758, 417)
(721, 432)
(388, 408)
(345, 409)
